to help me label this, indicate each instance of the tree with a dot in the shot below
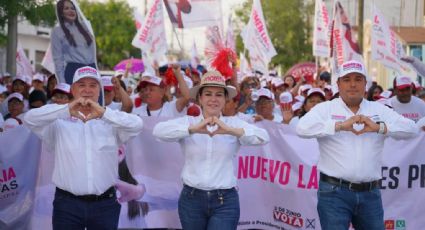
(288, 24)
(114, 30)
(35, 11)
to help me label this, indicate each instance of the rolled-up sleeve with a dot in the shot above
(127, 125)
(316, 123)
(172, 130)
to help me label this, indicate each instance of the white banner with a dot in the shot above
(23, 65)
(19, 157)
(386, 47)
(343, 43)
(150, 36)
(255, 35)
(321, 32)
(193, 13)
(277, 182)
(194, 57)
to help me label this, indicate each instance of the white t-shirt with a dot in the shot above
(115, 106)
(413, 110)
(168, 109)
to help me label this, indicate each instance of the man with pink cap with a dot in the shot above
(85, 138)
(351, 131)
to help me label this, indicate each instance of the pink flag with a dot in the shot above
(386, 47)
(321, 31)
(23, 65)
(193, 13)
(343, 44)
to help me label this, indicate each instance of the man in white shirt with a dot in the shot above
(112, 88)
(351, 131)
(84, 138)
(404, 102)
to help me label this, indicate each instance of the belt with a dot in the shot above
(356, 187)
(205, 191)
(110, 193)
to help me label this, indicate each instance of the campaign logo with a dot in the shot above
(395, 224)
(8, 183)
(288, 217)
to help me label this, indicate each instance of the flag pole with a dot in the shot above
(177, 37)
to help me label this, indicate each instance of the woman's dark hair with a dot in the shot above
(68, 35)
(293, 78)
(303, 112)
(371, 90)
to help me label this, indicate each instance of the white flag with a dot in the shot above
(23, 65)
(255, 36)
(193, 13)
(244, 65)
(230, 37)
(151, 35)
(321, 30)
(386, 47)
(343, 44)
(194, 57)
(47, 61)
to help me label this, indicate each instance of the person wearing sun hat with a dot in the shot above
(210, 142)
(84, 137)
(350, 131)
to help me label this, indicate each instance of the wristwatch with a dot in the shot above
(381, 127)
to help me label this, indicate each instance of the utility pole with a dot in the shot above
(12, 37)
(360, 25)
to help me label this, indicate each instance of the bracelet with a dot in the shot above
(338, 126)
(381, 127)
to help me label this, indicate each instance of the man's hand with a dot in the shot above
(85, 109)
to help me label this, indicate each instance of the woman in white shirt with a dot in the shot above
(210, 141)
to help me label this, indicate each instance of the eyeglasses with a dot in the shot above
(250, 85)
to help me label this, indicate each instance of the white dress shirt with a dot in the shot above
(343, 154)
(86, 154)
(209, 160)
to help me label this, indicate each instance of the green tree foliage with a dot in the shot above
(288, 24)
(35, 11)
(114, 30)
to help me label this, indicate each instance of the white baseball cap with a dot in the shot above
(86, 72)
(277, 82)
(402, 82)
(38, 77)
(263, 92)
(149, 78)
(119, 72)
(15, 95)
(23, 78)
(351, 67)
(63, 87)
(299, 98)
(305, 87)
(107, 83)
(285, 97)
(296, 106)
(315, 91)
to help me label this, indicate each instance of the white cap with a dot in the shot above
(300, 98)
(119, 72)
(15, 95)
(263, 92)
(38, 77)
(107, 82)
(305, 87)
(276, 82)
(10, 123)
(188, 81)
(285, 97)
(351, 67)
(316, 91)
(150, 78)
(328, 87)
(402, 82)
(64, 87)
(86, 72)
(23, 78)
(296, 106)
